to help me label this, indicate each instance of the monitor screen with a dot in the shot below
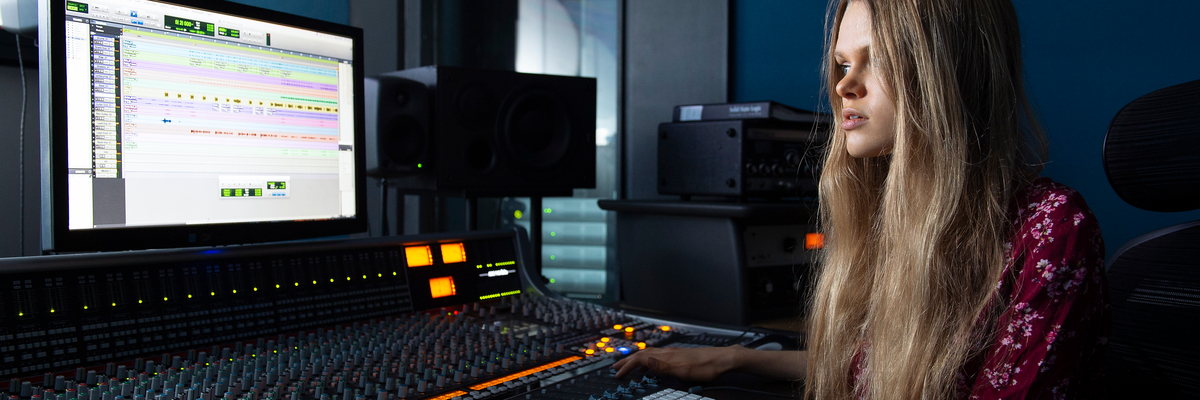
(181, 123)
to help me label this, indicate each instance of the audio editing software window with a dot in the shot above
(183, 116)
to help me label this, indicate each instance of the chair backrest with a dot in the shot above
(1152, 159)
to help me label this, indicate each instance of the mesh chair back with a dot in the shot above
(1152, 159)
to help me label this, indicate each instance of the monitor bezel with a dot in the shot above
(57, 238)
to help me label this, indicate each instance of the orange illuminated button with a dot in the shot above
(605, 340)
(590, 352)
(418, 256)
(641, 345)
(608, 350)
(665, 328)
(441, 287)
(629, 329)
(814, 241)
(617, 327)
(453, 253)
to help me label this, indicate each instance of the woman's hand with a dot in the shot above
(707, 363)
(691, 364)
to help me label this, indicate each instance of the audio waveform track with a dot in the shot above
(236, 109)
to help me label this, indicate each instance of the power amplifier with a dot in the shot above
(739, 158)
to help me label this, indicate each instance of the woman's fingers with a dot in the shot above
(629, 364)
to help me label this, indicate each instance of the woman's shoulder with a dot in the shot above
(1054, 231)
(1057, 240)
(1049, 212)
(1044, 197)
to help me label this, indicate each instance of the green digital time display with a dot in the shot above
(189, 26)
(77, 7)
(233, 33)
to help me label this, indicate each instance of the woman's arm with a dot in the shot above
(706, 364)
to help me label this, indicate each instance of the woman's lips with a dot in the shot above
(851, 119)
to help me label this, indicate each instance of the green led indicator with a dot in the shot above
(552, 234)
(551, 280)
(548, 210)
(551, 257)
(419, 165)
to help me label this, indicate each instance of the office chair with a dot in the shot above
(1152, 160)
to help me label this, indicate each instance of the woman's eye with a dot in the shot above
(845, 69)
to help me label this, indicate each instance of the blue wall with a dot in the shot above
(1084, 60)
(330, 10)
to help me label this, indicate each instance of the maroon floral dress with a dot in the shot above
(1049, 343)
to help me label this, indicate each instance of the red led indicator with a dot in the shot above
(814, 241)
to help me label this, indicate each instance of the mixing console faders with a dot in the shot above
(461, 329)
(523, 347)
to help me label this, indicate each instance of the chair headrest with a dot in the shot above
(1152, 150)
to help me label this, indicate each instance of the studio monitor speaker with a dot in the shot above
(482, 132)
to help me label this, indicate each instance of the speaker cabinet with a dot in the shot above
(481, 132)
(398, 131)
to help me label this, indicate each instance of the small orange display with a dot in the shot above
(441, 287)
(418, 256)
(453, 253)
(814, 241)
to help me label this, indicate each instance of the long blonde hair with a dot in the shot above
(915, 239)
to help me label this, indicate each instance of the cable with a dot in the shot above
(759, 392)
(21, 148)
(735, 340)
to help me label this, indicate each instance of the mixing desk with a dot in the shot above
(427, 317)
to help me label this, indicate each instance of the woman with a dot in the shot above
(950, 270)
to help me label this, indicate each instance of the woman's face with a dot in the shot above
(868, 112)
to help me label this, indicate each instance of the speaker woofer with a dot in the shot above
(536, 129)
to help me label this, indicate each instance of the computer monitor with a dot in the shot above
(194, 123)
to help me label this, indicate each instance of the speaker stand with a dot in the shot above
(472, 213)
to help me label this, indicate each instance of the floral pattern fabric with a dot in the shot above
(1051, 339)
(1049, 342)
